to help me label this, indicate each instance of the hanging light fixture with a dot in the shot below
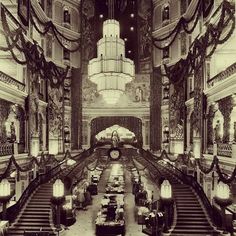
(111, 70)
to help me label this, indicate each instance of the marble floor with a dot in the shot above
(85, 220)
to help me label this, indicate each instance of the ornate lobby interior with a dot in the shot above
(117, 117)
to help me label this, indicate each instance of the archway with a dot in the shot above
(131, 123)
(123, 134)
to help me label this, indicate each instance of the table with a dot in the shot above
(104, 227)
(118, 199)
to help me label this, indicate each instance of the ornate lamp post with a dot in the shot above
(5, 195)
(57, 199)
(167, 201)
(223, 200)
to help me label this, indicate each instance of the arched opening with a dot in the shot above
(126, 123)
(121, 133)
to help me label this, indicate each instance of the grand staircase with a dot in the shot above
(191, 219)
(36, 214)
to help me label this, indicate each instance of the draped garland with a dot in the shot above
(12, 163)
(32, 56)
(50, 27)
(187, 159)
(204, 46)
(183, 24)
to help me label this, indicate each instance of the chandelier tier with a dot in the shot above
(111, 70)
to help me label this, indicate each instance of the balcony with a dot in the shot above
(11, 81)
(222, 75)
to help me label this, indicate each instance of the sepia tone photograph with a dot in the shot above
(117, 118)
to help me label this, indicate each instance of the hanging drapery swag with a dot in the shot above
(31, 54)
(204, 46)
(42, 162)
(184, 24)
(188, 160)
(48, 26)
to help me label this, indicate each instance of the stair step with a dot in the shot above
(33, 225)
(191, 222)
(34, 220)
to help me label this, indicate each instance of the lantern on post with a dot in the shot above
(166, 201)
(57, 200)
(5, 195)
(222, 198)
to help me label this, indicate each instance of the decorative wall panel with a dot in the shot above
(177, 111)
(76, 113)
(55, 111)
(87, 32)
(144, 35)
(155, 109)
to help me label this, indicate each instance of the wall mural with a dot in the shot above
(137, 93)
(133, 124)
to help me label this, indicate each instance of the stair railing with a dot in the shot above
(15, 209)
(191, 181)
(187, 179)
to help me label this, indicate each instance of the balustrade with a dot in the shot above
(224, 149)
(6, 149)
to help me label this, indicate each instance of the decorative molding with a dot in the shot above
(222, 89)
(10, 94)
(96, 112)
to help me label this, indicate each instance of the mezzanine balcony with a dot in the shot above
(228, 72)
(11, 81)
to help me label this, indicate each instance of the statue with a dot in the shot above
(115, 138)
(13, 132)
(217, 132)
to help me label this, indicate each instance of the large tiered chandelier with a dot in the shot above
(111, 71)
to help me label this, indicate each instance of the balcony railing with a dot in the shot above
(222, 75)
(6, 149)
(224, 149)
(11, 81)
